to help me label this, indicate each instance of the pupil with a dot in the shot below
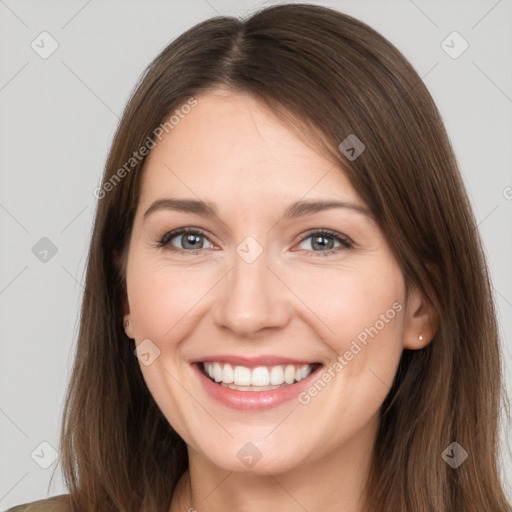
(324, 245)
(190, 239)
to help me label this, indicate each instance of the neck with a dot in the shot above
(335, 482)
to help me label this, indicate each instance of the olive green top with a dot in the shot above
(54, 504)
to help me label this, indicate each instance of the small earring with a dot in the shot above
(420, 337)
(126, 323)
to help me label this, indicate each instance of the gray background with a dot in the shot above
(58, 116)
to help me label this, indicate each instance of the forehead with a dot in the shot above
(232, 147)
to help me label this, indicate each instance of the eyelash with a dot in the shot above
(346, 243)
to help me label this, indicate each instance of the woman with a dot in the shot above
(286, 300)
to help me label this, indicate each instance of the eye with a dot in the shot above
(325, 240)
(189, 240)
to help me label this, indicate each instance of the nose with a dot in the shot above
(252, 298)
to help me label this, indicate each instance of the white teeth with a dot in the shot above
(228, 374)
(250, 388)
(289, 374)
(217, 372)
(276, 375)
(259, 377)
(242, 376)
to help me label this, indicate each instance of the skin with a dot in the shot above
(292, 301)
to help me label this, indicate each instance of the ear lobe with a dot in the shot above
(420, 321)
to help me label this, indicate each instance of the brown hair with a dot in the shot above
(332, 76)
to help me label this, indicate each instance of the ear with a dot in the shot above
(420, 320)
(127, 323)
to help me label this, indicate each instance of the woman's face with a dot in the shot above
(261, 292)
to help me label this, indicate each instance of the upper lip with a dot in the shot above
(252, 362)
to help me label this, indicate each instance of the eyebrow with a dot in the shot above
(295, 210)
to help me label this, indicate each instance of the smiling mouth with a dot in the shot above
(261, 378)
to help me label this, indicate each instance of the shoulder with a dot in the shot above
(54, 504)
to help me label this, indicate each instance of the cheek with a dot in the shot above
(364, 313)
(350, 302)
(162, 300)
(163, 307)
(361, 315)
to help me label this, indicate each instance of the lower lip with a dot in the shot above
(253, 400)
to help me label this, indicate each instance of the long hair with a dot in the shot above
(328, 76)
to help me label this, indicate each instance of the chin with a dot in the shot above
(255, 458)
